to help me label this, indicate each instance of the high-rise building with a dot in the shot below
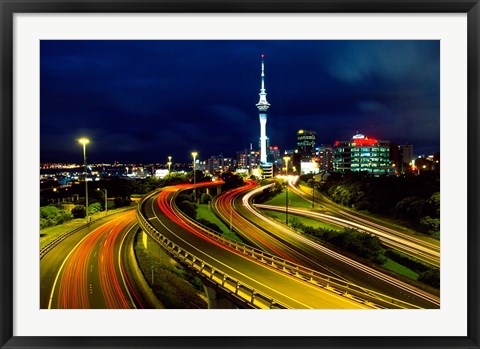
(242, 158)
(402, 157)
(273, 154)
(218, 163)
(306, 142)
(407, 152)
(362, 154)
(263, 106)
(324, 155)
(214, 164)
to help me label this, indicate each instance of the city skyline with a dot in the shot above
(140, 101)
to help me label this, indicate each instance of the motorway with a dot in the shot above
(89, 270)
(420, 247)
(239, 201)
(159, 210)
(230, 211)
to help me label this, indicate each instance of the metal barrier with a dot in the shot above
(326, 281)
(230, 285)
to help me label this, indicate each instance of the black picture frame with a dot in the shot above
(9, 7)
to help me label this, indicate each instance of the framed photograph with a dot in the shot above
(169, 213)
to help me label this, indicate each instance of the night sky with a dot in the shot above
(140, 101)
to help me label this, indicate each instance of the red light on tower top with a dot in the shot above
(263, 55)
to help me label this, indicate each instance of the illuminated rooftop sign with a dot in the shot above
(365, 141)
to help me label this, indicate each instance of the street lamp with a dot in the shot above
(169, 163)
(84, 142)
(286, 159)
(106, 208)
(194, 154)
(313, 194)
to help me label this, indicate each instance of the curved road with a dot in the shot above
(231, 212)
(284, 288)
(336, 263)
(93, 274)
(422, 248)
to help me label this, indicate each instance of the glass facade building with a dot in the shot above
(363, 154)
(306, 142)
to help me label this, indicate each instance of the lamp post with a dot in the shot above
(313, 194)
(106, 208)
(286, 159)
(169, 163)
(194, 154)
(312, 183)
(84, 142)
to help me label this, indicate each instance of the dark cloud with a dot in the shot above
(140, 101)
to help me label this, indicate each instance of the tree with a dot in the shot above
(205, 198)
(189, 208)
(51, 215)
(430, 277)
(78, 211)
(94, 208)
(430, 225)
(231, 180)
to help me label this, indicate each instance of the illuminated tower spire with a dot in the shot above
(262, 106)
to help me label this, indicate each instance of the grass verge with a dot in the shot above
(204, 212)
(280, 216)
(174, 286)
(293, 200)
(400, 269)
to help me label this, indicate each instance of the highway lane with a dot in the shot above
(224, 207)
(284, 288)
(92, 275)
(51, 262)
(422, 248)
(388, 240)
(349, 269)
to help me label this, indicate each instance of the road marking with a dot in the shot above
(238, 272)
(91, 268)
(61, 268)
(120, 264)
(377, 274)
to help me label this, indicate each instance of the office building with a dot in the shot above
(362, 154)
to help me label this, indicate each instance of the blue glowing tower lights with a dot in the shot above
(262, 106)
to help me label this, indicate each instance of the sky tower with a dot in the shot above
(262, 106)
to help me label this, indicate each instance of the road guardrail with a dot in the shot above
(362, 295)
(227, 283)
(331, 283)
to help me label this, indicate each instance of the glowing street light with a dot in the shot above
(286, 159)
(194, 154)
(84, 142)
(169, 163)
